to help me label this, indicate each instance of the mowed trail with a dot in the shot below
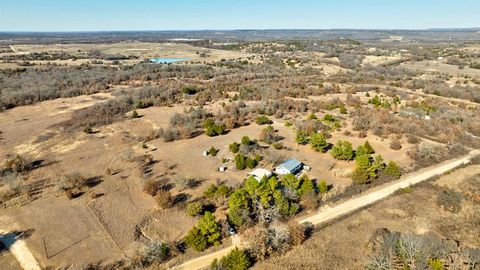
(326, 214)
(19, 249)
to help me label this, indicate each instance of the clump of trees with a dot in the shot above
(75, 184)
(275, 239)
(318, 141)
(313, 132)
(331, 121)
(218, 194)
(368, 168)
(97, 115)
(246, 153)
(395, 144)
(381, 102)
(394, 250)
(269, 135)
(342, 150)
(205, 234)
(450, 200)
(242, 162)
(30, 85)
(393, 170)
(135, 114)
(19, 164)
(185, 125)
(213, 151)
(269, 199)
(190, 89)
(164, 198)
(213, 128)
(350, 61)
(236, 259)
(445, 126)
(154, 253)
(158, 189)
(194, 208)
(426, 154)
(263, 120)
(234, 147)
(301, 137)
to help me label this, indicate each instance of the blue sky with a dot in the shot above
(98, 15)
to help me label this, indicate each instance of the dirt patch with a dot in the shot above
(167, 225)
(22, 126)
(77, 238)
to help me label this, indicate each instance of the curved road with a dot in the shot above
(326, 214)
(204, 261)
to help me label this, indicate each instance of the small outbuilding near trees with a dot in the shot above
(258, 174)
(290, 166)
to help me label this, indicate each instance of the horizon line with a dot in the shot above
(244, 29)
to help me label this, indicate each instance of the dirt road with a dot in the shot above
(204, 261)
(327, 213)
(20, 250)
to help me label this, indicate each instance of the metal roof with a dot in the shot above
(291, 164)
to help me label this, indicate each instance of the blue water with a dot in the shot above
(168, 60)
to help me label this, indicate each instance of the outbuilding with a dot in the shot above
(258, 174)
(291, 165)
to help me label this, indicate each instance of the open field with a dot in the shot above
(131, 53)
(440, 67)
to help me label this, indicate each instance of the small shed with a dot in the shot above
(258, 174)
(291, 165)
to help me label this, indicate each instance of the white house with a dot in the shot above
(258, 174)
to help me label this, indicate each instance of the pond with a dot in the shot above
(168, 60)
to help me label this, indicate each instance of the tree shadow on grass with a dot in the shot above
(181, 199)
(93, 181)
